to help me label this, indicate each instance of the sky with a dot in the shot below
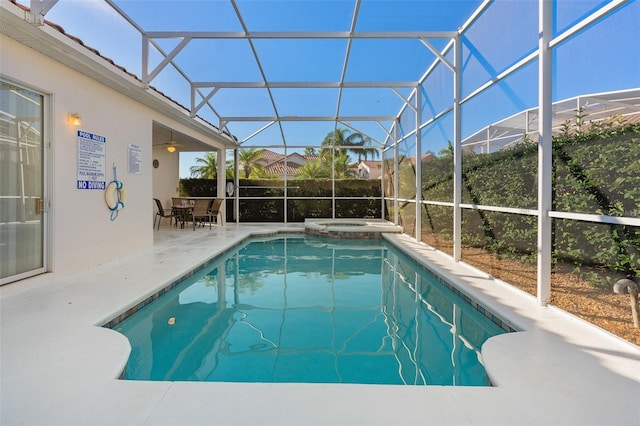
(603, 58)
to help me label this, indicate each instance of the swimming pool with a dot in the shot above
(311, 310)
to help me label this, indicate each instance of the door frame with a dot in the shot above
(47, 181)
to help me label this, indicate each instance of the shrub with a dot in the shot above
(596, 170)
(262, 199)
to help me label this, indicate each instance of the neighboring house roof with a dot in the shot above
(424, 158)
(427, 156)
(278, 168)
(372, 164)
(314, 157)
(296, 158)
(267, 156)
(273, 162)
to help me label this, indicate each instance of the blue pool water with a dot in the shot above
(310, 310)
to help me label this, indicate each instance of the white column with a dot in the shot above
(396, 184)
(221, 182)
(285, 179)
(544, 151)
(457, 150)
(236, 174)
(382, 184)
(333, 177)
(418, 165)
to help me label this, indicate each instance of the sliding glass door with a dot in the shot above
(22, 248)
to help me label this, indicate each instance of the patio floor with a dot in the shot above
(57, 367)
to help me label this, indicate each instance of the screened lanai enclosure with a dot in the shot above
(503, 133)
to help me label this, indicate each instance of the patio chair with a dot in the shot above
(214, 209)
(162, 212)
(201, 211)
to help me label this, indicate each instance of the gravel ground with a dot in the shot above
(599, 306)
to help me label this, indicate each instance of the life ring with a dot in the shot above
(115, 195)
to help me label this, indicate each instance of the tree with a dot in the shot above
(341, 167)
(206, 167)
(247, 159)
(230, 171)
(446, 152)
(313, 170)
(344, 139)
(338, 144)
(260, 172)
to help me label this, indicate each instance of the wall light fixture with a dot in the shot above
(74, 119)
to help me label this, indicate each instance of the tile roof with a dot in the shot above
(270, 156)
(278, 168)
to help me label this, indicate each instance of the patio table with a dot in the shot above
(182, 211)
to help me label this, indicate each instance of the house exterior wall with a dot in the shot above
(80, 232)
(166, 176)
(296, 159)
(370, 169)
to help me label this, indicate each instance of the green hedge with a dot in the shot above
(270, 205)
(192, 187)
(596, 171)
(598, 174)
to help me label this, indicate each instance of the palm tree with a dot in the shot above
(446, 152)
(337, 146)
(335, 138)
(207, 168)
(313, 170)
(341, 167)
(343, 138)
(260, 172)
(247, 159)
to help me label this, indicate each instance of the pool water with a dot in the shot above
(310, 310)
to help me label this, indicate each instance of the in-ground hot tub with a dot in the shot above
(350, 228)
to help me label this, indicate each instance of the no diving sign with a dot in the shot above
(91, 161)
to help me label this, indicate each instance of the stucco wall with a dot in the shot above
(81, 232)
(166, 176)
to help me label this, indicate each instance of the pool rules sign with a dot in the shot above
(91, 161)
(134, 159)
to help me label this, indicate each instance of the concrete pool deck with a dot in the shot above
(58, 367)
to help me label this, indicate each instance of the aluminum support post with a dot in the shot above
(457, 151)
(236, 178)
(544, 151)
(333, 177)
(221, 183)
(285, 180)
(396, 173)
(418, 182)
(383, 182)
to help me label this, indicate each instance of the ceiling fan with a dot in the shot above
(171, 144)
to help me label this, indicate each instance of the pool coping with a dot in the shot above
(59, 367)
(346, 228)
(449, 282)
